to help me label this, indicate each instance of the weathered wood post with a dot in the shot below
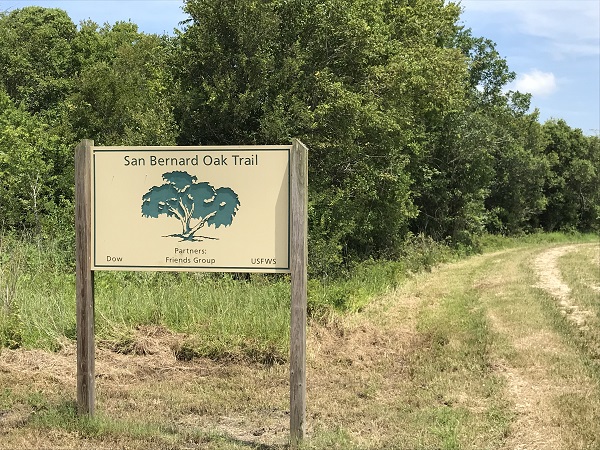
(84, 278)
(298, 263)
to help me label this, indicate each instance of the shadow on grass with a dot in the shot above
(255, 445)
(63, 415)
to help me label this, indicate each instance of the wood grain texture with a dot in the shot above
(84, 276)
(299, 260)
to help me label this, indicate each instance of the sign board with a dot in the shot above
(242, 209)
(191, 208)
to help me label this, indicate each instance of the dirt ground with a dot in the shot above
(546, 266)
(343, 360)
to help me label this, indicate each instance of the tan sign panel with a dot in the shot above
(191, 208)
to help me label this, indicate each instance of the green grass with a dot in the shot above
(437, 351)
(64, 415)
(580, 270)
(351, 292)
(454, 368)
(38, 304)
(493, 242)
(223, 317)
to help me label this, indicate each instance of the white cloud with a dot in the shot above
(572, 26)
(558, 38)
(536, 82)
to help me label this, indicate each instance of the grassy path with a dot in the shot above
(551, 383)
(479, 354)
(489, 352)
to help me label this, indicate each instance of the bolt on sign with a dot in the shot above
(191, 208)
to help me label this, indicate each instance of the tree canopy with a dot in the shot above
(409, 123)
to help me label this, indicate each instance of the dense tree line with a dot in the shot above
(405, 112)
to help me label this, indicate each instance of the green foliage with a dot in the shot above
(350, 78)
(572, 186)
(29, 151)
(453, 177)
(122, 96)
(410, 129)
(351, 292)
(488, 71)
(37, 59)
(422, 252)
(517, 191)
(10, 331)
(60, 85)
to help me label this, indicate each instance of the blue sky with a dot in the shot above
(554, 48)
(552, 45)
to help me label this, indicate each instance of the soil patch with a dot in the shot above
(546, 266)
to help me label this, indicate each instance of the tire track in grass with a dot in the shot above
(550, 280)
(545, 377)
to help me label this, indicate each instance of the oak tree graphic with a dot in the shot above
(193, 204)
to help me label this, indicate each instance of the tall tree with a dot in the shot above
(29, 185)
(354, 79)
(517, 192)
(572, 187)
(37, 61)
(122, 94)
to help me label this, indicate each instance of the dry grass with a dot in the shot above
(469, 356)
(540, 362)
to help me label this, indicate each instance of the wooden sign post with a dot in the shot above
(299, 254)
(84, 279)
(134, 203)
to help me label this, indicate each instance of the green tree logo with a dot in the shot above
(185, 199)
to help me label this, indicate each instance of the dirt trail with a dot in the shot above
(546, 266)
(531, 385)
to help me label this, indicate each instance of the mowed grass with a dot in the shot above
(472, 355)
(487, 361)
(580, 270)
(552, 378)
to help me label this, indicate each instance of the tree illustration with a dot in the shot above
(193, 204)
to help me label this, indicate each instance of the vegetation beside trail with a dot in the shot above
(410, 127)
(471, 354)
(224, 316)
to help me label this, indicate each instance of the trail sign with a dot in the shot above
(191, 208)
(241, 209)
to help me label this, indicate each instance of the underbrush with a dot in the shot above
(493, 242)
(223, 316)
(351, 291)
